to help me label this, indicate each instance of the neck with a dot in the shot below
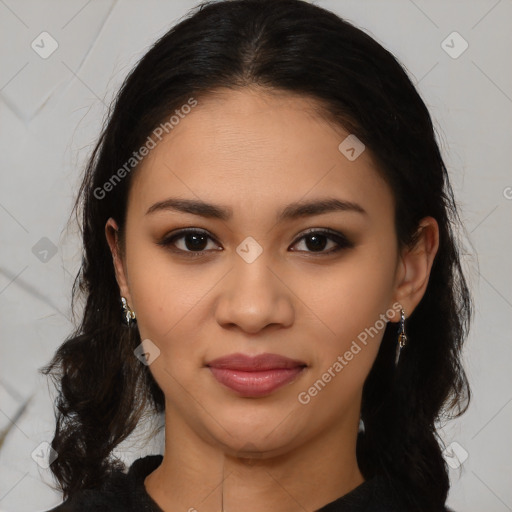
(198, 474)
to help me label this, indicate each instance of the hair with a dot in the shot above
(298, 48)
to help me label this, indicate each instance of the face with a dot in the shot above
(259, 272)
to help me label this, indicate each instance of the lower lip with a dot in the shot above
(258, 383)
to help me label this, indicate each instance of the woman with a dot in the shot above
(269, 261)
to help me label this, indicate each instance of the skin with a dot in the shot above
(255, 152)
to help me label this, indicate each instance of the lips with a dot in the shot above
(255, 376)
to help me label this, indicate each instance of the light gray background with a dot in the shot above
(51, 111)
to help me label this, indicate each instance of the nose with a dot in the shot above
(254, 296)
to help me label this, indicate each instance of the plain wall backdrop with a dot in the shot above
(60, 65)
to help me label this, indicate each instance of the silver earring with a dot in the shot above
(402, 337)
(129, 314)
(361, 425)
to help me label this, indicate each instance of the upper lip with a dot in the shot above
(260, 362)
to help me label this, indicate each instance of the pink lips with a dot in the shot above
(255, 376)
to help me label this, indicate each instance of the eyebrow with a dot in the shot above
(292, 211)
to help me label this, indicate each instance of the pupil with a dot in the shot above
(319, 242)
(197, 244)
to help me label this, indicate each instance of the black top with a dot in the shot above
(126, 492)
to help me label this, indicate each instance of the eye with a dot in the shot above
(191, 241)
(316, 241)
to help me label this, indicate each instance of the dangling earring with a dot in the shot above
(129, 314)
(402, 337)
(361, 425)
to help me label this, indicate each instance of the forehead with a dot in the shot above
(251, 148)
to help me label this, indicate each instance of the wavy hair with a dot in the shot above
(293, 46)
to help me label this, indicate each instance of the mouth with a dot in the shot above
(255, 376)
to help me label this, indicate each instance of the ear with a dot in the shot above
(415, 266)
(112, 235)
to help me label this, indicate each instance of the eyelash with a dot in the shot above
(339, 238)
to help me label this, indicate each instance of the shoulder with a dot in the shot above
(377, 494)
(120, 492)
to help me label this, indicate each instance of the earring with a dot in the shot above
(402, 337)
(361, 425)
(129, 314)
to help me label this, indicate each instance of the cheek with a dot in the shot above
(349, 304)
(356, 291)
(162, 291)
(166, 300)
(171, 301)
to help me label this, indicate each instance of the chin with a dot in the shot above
(258, 435)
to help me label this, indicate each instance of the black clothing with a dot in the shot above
(126, 492)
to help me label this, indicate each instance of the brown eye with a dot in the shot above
(317, 241)
(192, 241)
